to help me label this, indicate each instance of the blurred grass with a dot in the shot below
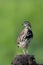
(12, 14)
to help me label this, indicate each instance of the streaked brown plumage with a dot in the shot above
(24, 38)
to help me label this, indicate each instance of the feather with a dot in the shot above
(29, 34)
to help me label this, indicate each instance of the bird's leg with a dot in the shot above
(25, 51)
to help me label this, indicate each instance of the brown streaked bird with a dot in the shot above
(25, 37)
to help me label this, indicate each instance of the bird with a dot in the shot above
(25, 37)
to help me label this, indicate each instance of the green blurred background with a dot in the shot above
(12, 15)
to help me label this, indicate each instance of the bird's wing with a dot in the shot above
(29, 34)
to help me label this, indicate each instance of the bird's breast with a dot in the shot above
(24, 44)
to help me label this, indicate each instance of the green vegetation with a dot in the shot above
(12, 15)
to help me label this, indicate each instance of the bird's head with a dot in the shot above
(27, 24)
